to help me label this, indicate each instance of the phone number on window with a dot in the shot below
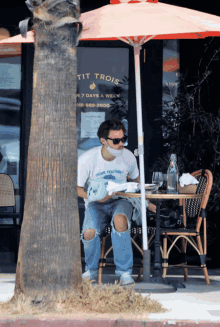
(92, 105)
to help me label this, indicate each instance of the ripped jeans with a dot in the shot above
(97, 216)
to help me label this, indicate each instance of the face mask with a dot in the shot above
(114, 152)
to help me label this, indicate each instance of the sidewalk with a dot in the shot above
(198, 303)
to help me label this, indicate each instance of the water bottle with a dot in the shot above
(172, 176)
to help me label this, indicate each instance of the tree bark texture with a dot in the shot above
(49, 253)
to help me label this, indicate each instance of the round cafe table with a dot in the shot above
(163, 285)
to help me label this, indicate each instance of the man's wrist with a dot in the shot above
(107, 197)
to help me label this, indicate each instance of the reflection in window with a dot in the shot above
(102, 91)
(10, 79)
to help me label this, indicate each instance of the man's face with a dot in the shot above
(115, 135)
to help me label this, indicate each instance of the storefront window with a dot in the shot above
(10, 80)
(171, 67)
(102, 91)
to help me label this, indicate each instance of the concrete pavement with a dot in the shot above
(198, 303)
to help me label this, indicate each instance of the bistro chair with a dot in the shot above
(194, 218)
(7, 199)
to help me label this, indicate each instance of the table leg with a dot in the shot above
(156, 284)
(157, 266)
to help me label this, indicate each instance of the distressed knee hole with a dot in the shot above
(120, 223)
(89, 234)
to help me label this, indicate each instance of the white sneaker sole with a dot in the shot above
(127, 283)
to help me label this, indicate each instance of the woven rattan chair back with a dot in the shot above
(7, 198)
(193, 206)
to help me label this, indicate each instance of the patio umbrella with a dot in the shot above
(136, 22)
(19, 39)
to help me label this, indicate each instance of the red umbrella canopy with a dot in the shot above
(124, 18)
(138, 19)
(19, 39)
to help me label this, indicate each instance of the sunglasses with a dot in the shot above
(117, 141)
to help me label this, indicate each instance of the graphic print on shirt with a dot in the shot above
(112, 175)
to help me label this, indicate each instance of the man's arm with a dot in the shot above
(81, 192)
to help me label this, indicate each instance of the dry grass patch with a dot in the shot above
(111, 299)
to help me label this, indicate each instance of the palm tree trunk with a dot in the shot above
(49, 253)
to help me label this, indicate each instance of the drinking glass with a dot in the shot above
(157, 178)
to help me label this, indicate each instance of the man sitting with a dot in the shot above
(108, 162)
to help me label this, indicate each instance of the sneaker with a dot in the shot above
(126, 279)
(90, 274)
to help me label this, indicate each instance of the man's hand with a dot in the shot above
(108, 197)
(152, 207)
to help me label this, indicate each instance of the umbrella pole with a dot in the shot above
(146, 251)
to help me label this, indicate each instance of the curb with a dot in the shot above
(101, 323)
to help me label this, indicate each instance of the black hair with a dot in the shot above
(106, 126)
